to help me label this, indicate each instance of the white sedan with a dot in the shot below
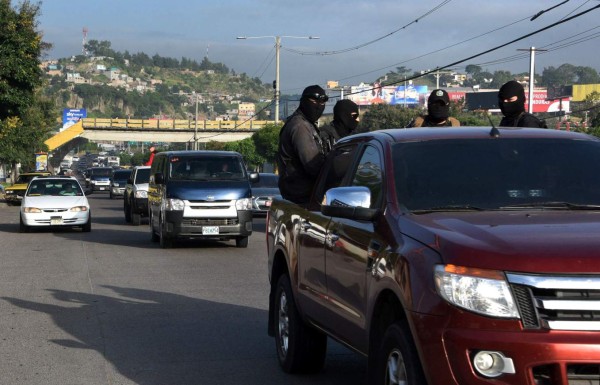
(55, 202)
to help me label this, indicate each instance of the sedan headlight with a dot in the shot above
(481, 291)
(78, 208)
(141, 194)
(174, 205)
(243, 204)
(31, 210)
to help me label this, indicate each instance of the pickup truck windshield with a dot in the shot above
(207, 168)
(492, 174)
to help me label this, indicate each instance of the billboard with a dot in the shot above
(71, 116)
(541, 103)
(366, 94)
(41, 161)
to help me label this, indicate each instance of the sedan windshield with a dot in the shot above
(491, 174)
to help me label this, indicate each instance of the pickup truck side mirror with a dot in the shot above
(254, 177)
(159, 178)
(349, 202)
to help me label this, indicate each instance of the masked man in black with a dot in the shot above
(438, 112)
(344, 123)
(511, 99)
(301, 154)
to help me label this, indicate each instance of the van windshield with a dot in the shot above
(207, 168)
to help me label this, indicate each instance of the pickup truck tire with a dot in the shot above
(300, 348)
(127, 210)
(136, 219)
(397, 360)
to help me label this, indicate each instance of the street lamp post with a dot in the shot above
(277, 50)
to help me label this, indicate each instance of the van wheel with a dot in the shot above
(164, 241)
(241, 242)
(153, 234)
(300, 349)
(397, 358)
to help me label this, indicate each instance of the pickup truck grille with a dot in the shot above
(557, 302)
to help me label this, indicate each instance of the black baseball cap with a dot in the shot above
(438, 96)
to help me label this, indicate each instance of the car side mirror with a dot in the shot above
(352, 202)
(254, 177)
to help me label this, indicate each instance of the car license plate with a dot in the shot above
(56, 221)
(101, 188)
(210, 230)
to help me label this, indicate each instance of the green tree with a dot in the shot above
(266, 141)
(20, 50)
(24, 113)
(383, 116)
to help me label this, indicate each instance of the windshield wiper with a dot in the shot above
(552, 205)
(449, 208)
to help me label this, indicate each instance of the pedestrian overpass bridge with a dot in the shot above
(148, 130)
(155, 130)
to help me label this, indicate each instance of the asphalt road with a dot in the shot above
(111, 307)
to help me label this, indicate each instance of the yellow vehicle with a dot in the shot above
(14, 193)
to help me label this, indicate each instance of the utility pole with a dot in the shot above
(196, 126)
(277, 52)
(531, 76)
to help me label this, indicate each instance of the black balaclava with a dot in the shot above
(507, 91)
(438, 112)
(311, 110)
(438, 106)
(343, 120)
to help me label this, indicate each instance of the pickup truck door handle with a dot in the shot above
(305, 225)
(331, 239)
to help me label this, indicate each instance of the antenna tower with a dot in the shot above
(84, 42)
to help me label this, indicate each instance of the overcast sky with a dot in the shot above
(376, 35)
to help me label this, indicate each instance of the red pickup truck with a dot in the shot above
(446, 256)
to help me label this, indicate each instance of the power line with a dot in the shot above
(327, 53)
(562, 21)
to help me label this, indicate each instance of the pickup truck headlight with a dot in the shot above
(243, 204)
(174, 205)
(481, 291)
(141, 194)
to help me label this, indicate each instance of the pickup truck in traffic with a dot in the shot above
(445, 256)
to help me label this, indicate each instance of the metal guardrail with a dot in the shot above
(174, 124)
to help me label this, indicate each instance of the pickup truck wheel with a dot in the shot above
(136, 218)
(127, 211)
(398, 361)
(300, 349)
